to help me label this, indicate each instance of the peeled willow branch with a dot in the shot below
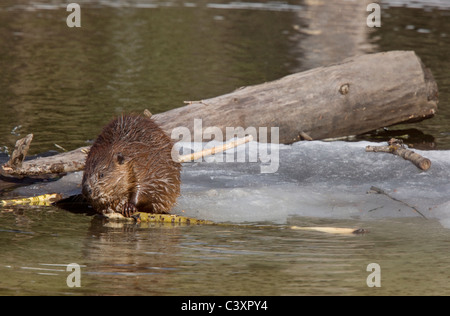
(215, 150)
(333, 230)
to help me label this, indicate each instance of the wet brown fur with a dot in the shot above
(130, 168)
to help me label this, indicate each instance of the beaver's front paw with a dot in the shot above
(128, 209)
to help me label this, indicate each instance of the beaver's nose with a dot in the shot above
(87, 190)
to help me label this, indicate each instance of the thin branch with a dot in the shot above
(380, 191)
(397, 148)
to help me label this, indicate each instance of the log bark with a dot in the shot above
(355, 96)
(20, 152)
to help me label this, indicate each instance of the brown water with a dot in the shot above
(219, 260)
(63, 84)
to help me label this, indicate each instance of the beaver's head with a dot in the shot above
(107, 179)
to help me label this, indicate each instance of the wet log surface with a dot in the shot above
(358, 95)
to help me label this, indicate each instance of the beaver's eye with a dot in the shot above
(100, 175)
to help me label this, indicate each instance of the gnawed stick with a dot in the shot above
(305, 136)
(333, 230)
(42, 200)
(215, 150)
(396, 148)
(142, 217)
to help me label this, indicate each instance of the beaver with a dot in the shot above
(130, 168)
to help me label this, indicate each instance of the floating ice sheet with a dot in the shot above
(314, 179)
(318, 179)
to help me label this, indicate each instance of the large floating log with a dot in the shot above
(358, 95)
(355, 96)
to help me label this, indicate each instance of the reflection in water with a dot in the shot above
(128, 59)
(426, 32)
(335, 30)
(131, 55)
(131, 257)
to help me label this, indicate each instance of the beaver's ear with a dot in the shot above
(120, 158)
